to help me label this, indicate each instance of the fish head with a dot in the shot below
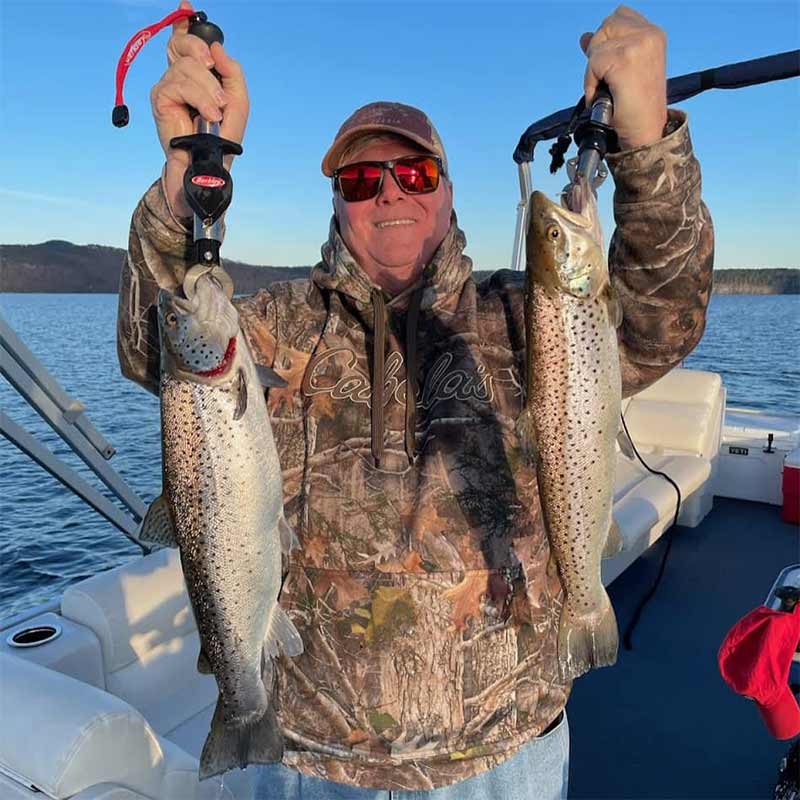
(198, 334)
(564, 247)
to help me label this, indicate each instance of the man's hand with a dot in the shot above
(188, 82)
(629, 54)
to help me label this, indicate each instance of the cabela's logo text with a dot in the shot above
(441, 383)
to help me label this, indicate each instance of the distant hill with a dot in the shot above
(59, 266)
(757, 281)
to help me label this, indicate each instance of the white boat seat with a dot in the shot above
(140, 613)
(88, 737)
(681, 413)
(689, 472)
(676, 426)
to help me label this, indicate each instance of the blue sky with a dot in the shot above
(482, 71)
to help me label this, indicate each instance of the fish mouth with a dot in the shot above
(543, 206)
(575, 218)
(222, 367)
(181, 303)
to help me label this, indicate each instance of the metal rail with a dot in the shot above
(28, 444)
(66, 416)
(72, 409)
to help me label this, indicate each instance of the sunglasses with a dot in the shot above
(363, 180)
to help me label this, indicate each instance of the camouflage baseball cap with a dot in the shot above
(384, 117)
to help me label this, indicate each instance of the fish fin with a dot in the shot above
(241, 395)
(157, 526)
(289, 540)
(203, 664)
(625, 444)
(588, 641)
(615, 544)
(269, 378)
(613, 304)
(526, 431)
(267, 673)
(235, 744)
(281, 635)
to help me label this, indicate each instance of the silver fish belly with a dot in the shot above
(221, 484)
(222, 505)
(575, 402)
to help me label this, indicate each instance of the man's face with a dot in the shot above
(393, 255)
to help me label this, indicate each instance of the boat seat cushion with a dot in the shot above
(684, 386)
(672, 426)
(64, 736)
(141, 614)
(689, 472)
(681, 412)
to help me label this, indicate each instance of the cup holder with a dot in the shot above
(34, 636)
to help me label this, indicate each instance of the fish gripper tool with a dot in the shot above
(594, 138)
(207, 185)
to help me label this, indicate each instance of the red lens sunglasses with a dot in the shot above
(363, 180)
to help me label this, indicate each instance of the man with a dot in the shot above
(424, 588)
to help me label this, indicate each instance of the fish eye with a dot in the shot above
(553, 233)
(171, 318)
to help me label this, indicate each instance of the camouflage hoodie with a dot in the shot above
(424, 589)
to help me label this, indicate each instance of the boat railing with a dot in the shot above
(66, 415)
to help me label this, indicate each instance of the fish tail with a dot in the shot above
(237, 744)
(587, 641)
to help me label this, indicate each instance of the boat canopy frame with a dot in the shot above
(766, 69)
(67, 417)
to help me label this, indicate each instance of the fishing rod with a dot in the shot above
(567, 122)
(207, 185)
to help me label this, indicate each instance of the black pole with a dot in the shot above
(777, 67)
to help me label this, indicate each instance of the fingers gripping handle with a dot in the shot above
(207, 31)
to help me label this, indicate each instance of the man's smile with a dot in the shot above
(390, 222)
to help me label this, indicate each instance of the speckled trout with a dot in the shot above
(570, 418)
(222, 506)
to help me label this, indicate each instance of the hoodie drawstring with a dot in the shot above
(411, 374)
(378, 372)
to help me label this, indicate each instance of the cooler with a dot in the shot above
(755, 446)
(791, 487)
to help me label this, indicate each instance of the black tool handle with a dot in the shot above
(207, 31)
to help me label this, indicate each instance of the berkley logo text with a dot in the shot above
(209, 181)
(136, 47)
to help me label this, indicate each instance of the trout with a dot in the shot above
(570, 417)
(222, 506)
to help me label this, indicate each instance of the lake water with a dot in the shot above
(49, 538)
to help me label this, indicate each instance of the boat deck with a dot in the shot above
(662, 723)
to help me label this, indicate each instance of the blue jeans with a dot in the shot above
(538, 771)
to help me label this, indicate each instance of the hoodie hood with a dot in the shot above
(442, 278)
